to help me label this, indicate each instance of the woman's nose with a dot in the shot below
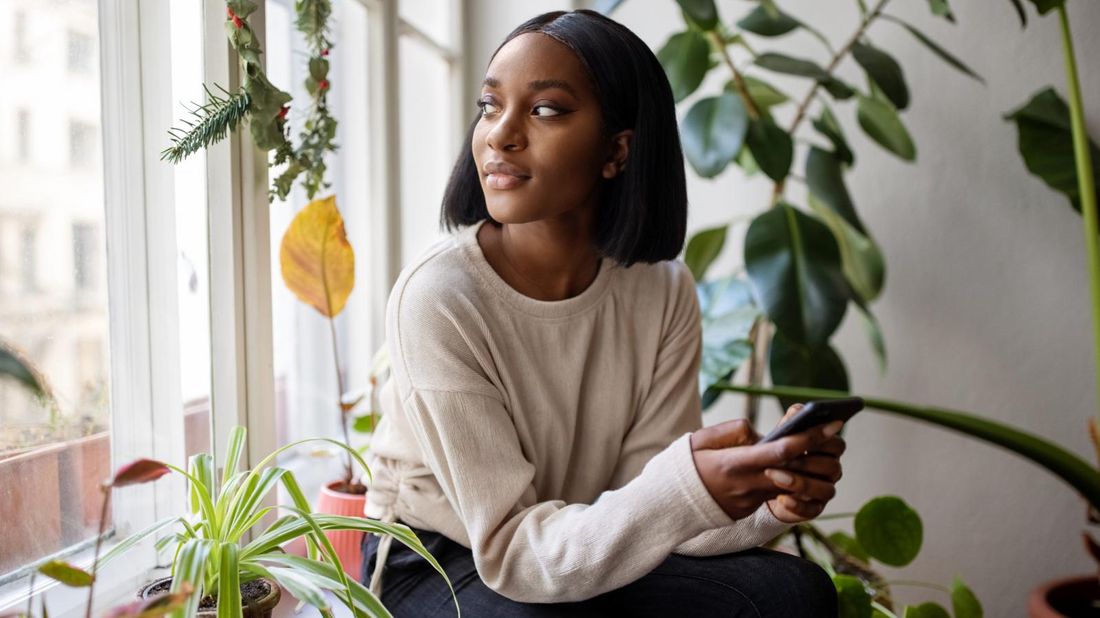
(507, 132)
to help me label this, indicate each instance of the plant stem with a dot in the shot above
(1087, 187)
(348, 471)
(98, 541)
(834, 516)
(738, 81)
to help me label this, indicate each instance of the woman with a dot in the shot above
(541, 432)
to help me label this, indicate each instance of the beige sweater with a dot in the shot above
(549, 437)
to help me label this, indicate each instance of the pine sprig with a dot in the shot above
(213, 120)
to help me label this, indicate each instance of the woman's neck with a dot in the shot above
(542, 259)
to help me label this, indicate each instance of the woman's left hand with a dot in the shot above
(813, 479)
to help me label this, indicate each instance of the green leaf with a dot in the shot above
(874, 333)
(1046, 6)
(1019, 6)
(882, 69)
(745, 161)
(771, 147)
(685, 58)
(326, 576)
(66, 574)
(713, 131)
(188, 569)
(703, 249)
(1046, 143)
(861, 260)
(825, 180)
(963, 602)
(794, 264)
(13, 366)
(880, 121)
(300, 587)
(781, 63)
(849, 545)
(941, 9)
(761, 21)
(889, 530)
(229, 582)
(234, 447)
(365, 423)
(792, 364)
(762, 93)
(852, 598)
(728, 313)
(926, 610)
(936, 49)
(702, 12)
(827, 125)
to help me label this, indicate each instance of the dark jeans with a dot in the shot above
(754, 583)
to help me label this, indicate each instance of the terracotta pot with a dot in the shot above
(1066, 597)
(347, 543)
(259, 608)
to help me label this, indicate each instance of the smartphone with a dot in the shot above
(816, 413)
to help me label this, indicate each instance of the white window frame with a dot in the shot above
(146, 406)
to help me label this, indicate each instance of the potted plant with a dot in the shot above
(213, 555)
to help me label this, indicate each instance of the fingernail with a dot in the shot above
(832, 428)
(779, 476)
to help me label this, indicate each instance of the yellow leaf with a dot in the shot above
(317, 260)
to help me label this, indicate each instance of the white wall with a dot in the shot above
(986, 300)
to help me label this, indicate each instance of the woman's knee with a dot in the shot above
(811, 590)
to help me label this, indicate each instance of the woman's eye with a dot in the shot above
(482, 104)
(549, 107)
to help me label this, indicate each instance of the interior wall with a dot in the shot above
(986, 304)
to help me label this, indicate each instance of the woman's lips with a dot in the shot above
(505, 181)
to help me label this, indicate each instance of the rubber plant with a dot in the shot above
(1055, 146)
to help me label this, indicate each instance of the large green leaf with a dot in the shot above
(782, 63)
(849, 545)
(713, 131)
(852, 597)
(964, 604)
(229, 582)
(765, 23)
(880, 121)
(825, 180)
(771, 147)
(882, 69)
(890, 530)
(794, 265)
(936, 49)
(702, 12)
(685, 58)
(927, 609)
(728, 313)
(861, 259)
(763, 94)
(1068, 466)
(828, 126)
(1046, 143)
(703, 249)
(792, 364)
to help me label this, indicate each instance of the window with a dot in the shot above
(28, 252)
(20, 50)
(23, 136)
(84, 256)
(81, 143)
(80, 52)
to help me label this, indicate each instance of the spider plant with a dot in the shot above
(213, 553)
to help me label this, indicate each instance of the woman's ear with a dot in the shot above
(620, 149)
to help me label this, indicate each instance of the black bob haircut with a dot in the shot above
(642, 215)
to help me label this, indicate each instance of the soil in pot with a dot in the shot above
(1072, 597)
(258, 597)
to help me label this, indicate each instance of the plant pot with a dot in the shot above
(259, 605)
(1066, 597)
(347, 543)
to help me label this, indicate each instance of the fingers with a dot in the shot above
(824, 467)
(779, 452)
(803, 508)
(802, 485)
(737, 432)
(791, 411)
(833, 447)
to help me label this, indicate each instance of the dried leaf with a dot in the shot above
(317, 261)
(67, 574)
(139, 471)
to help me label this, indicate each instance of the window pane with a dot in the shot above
(306, 388)
(433, 17)
(53, 294)
(427, 147)
(193, 281)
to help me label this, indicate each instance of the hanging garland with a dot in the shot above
(265, 107)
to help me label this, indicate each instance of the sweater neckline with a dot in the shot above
(475, 256)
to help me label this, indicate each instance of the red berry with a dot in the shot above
(324, 52)
(323, 85)
(229, 13)
(283, 111)
(237, 22)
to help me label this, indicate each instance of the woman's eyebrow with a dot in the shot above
(536, 85)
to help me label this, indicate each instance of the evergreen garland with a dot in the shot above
(213, 120)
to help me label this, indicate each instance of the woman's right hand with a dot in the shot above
(731, 463)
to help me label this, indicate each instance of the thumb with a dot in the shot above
(791, 411)
(737, 432)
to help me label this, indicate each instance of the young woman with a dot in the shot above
(541, 432)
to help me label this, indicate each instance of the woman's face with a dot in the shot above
(541, 117)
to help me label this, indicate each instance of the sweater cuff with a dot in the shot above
(695, 492)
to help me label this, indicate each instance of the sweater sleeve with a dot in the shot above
(671, 408)
(526, 550)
